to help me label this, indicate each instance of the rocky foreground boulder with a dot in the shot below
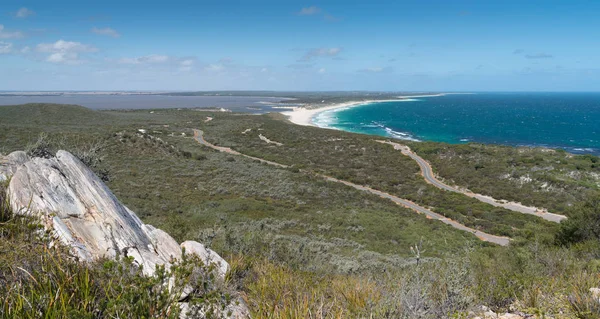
(82, 212)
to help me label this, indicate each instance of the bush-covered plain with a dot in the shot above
(301, 247)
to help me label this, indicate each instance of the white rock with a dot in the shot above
(595, 293)
(207, 255)
(84, 214)
(490, 315)
(510, 316)
(10, 163)
(235, 310)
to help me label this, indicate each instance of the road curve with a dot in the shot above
(500, 240)
(429, 176)
(199, 136)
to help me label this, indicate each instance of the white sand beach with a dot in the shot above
(303, 116)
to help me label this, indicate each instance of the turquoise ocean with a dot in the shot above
(570, 121)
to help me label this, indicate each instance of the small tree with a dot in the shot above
(417, 250)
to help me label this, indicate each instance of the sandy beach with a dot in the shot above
(303, 116)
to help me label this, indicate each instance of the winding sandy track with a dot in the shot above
(427, 173)
(500, 240)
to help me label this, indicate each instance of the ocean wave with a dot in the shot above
(400, 135)
(585, 150)
(328, 119)
(409, 100)
(325, 119)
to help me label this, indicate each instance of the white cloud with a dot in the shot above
(312, 10)
(214, 67)
(5, 47)
(64, 57)
(9, 35)
(65, 52)
(25, 50)
(322, 71)
(186, 65)
(106, 31)
(376, 70)
(23, 13)
(65, 46)
(153, 58)
(316, 11)
(264, 70)
(539, 56)
(320, 52)
(188, 62)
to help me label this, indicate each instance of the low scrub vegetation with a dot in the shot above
(301, 247)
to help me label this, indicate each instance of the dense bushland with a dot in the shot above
(300, 246)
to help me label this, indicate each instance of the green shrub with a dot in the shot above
(583, 225)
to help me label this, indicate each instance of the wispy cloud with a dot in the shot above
(308, 11)
(376, 70)
(215, 67)
(316, 11)
(65, 52)
(24, 13)
(4, 34)
(155, 62)
(186, 65)
(65, 46)
(106, 31)
(539, 56)
(148, 59)
(224, 64)
(518, 51)
(331, 18)
(6, 47)
(322, 71)
(320, 52)
(187, 62)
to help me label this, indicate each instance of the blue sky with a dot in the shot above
(297, 45)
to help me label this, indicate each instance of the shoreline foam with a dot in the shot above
(304, 116)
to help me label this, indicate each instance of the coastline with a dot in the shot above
(304, 116)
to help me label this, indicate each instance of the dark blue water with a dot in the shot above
(558, 120)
